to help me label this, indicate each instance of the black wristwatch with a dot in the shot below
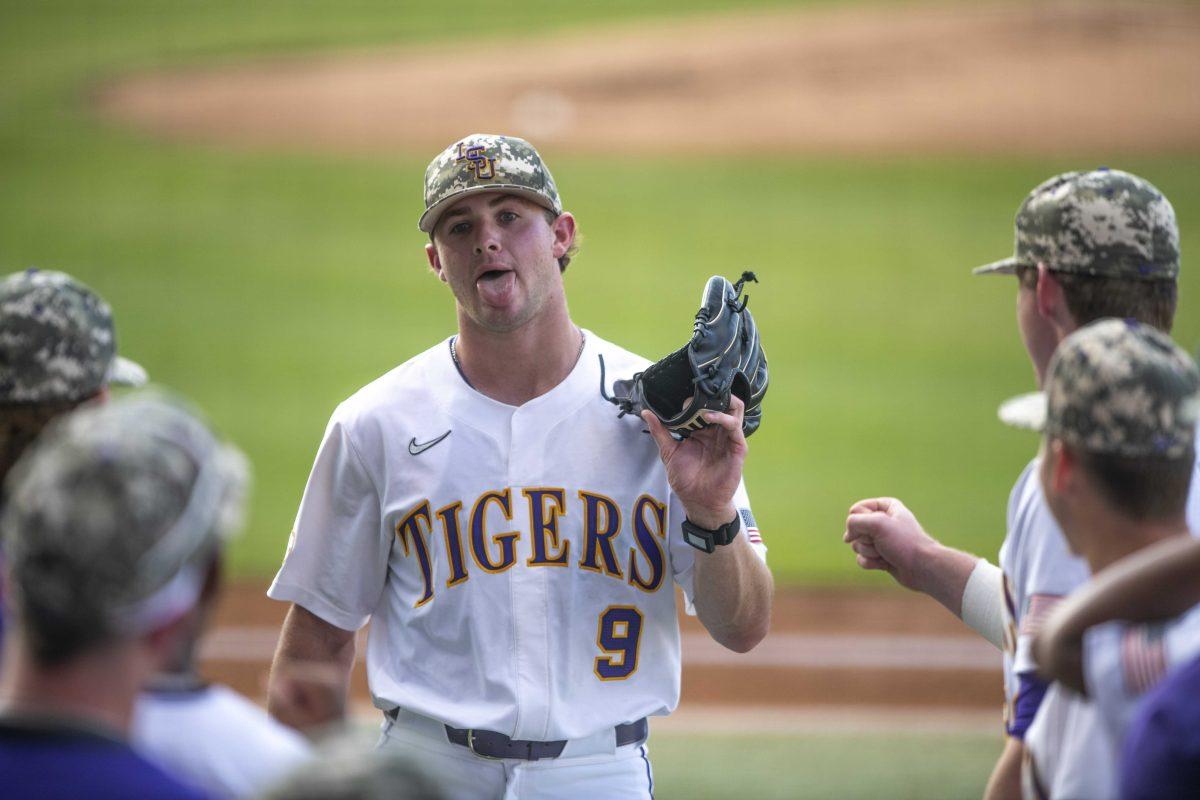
(708, 541)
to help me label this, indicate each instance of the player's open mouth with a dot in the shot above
(496, 286)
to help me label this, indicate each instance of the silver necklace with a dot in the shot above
(458, 364)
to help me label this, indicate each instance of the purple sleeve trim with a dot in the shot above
(1030, 691)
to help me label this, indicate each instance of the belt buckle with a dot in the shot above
(471, 746)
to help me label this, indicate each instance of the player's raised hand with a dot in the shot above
(705, 468)
(885, 535)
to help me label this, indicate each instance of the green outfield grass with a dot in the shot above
(270, 286)
(822, 766)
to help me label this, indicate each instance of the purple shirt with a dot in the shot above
(1161, 754)
(53, 759)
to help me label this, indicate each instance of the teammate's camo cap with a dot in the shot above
(485, 162)
(115, 514)
(57, 341)
(1123, 388)
(1104, 223)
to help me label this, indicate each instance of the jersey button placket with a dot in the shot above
(530, 589)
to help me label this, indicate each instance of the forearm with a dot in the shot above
(310, 674)
(1005, 781)
(942, 573)
(732, 589)
(1158, 582)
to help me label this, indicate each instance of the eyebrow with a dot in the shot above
(459, 211)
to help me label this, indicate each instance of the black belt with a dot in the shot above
(491, 744)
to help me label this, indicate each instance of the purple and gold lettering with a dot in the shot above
(409, 530)
(646, 534)
(543, 525)
(451, 532)
(479, 536)
(601, 522)
(484, 168)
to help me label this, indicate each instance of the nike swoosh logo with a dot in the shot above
(416, 449)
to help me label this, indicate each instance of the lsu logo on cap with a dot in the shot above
(484, 168)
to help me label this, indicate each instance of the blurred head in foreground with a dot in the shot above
(114, 521)
(1122, 402)
(350, 768)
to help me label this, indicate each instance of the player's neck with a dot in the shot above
(514, 367)
(1112, 540)
(98, 688)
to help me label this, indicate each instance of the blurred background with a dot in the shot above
(242, 182)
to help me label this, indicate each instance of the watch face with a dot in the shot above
(697, 540)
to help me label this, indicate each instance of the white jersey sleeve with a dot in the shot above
(336, 560)
(215, 739)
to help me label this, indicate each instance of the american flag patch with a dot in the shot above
(1143, 658)
(750, 525)
(1040, 606)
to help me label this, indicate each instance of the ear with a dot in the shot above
(563, 229)
(1063, 465)
(435, 263)
(164, 643)
(1051, 304)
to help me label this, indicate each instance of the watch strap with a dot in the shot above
(709, 540)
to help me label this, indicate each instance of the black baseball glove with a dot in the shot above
(724, 357)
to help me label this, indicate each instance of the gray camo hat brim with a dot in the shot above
(1026, 412)
(124, 372)
(429, 219)
(1005, 266)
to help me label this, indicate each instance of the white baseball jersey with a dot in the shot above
(516, 563)
(1039, 570)
(1068, 752)
(215, 739)
(1072, 746)
(1121, 662)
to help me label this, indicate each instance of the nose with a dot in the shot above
(488, 238)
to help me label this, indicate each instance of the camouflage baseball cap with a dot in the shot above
(1120, 387)
(117, 511)
(1104, 223)
(57, 340)
(484, 162)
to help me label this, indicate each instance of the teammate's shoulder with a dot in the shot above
(1027, 484)
(401, 384)
(618, 362)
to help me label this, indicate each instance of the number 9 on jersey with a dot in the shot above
(618, 636)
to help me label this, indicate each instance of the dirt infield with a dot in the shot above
(881, 652)
(1047, 77)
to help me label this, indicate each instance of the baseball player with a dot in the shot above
(57, 352)
(1118, 459)
(1119, 664)
(512, 541)
(112, 519)
(1089, 245)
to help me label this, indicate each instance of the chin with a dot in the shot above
(501, 322)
